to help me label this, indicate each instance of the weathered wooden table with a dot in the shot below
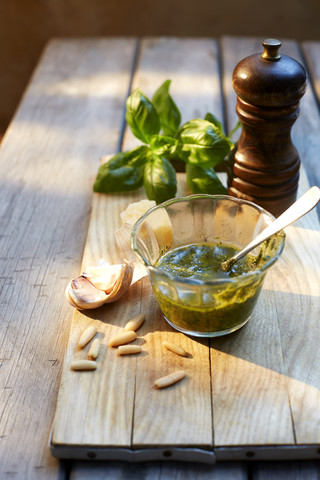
(71, 115)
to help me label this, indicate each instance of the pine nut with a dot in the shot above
(94, 349)
(122, 338)
(173, 347)
(135, 322)
(87, 335)
(129, 349)
(83, 365)
(170, 379)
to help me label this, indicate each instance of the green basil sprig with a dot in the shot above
(159, 179)
(168, 111)
(200, 143)
(142, 116)
(204, 180)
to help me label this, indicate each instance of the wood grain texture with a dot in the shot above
(150, 418)
(180, 415)
(70, 115)
(191, 65)
(263, 392)
(125, 385)
(93, 420)
(284, 331)
(311, 52)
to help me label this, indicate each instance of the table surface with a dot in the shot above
(72, 114)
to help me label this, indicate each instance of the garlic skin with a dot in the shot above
(105, 277)
(123, 282)
(106, 285)
(81, 294)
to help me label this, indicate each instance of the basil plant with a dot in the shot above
(200, 144)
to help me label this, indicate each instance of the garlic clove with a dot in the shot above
(83, 295)
(91, 291)
(69, 299)
(123, 282)
(99, 268)
(105, 277)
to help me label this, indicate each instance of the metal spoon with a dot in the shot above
(302, 206)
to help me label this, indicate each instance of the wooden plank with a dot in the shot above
(233, 49)
(192, 65)
(280, 344)
(255, 392)
(129, 381)
(70, 116)
(311, 52)
(159, 471)
(250, 398)
(94, 422)
(301, 347)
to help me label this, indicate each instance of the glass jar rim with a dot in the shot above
(216, 281)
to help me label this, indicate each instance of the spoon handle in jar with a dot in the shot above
(302, 206)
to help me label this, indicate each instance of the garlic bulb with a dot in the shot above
(102, 283)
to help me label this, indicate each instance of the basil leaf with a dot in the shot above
(213, 119)
(141, 116)
(159, 181)
(123, 172)
(163, 146)
(202, 143)
(168, 111)
(204, 180)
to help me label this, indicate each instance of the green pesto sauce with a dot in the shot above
(211, 308)
(203, 262)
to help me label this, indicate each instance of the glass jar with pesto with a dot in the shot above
(183, 241)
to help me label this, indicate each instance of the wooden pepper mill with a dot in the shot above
(266, 163)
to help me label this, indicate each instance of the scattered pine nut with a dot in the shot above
(135, 322)
(83, 365)
(122, 338)
(170, 379)
(94, 349)
(173, 347)
(87, 335)
(129, 349)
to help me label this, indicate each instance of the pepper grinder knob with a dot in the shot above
(271, 49)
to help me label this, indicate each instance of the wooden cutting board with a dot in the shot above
(252, 394)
